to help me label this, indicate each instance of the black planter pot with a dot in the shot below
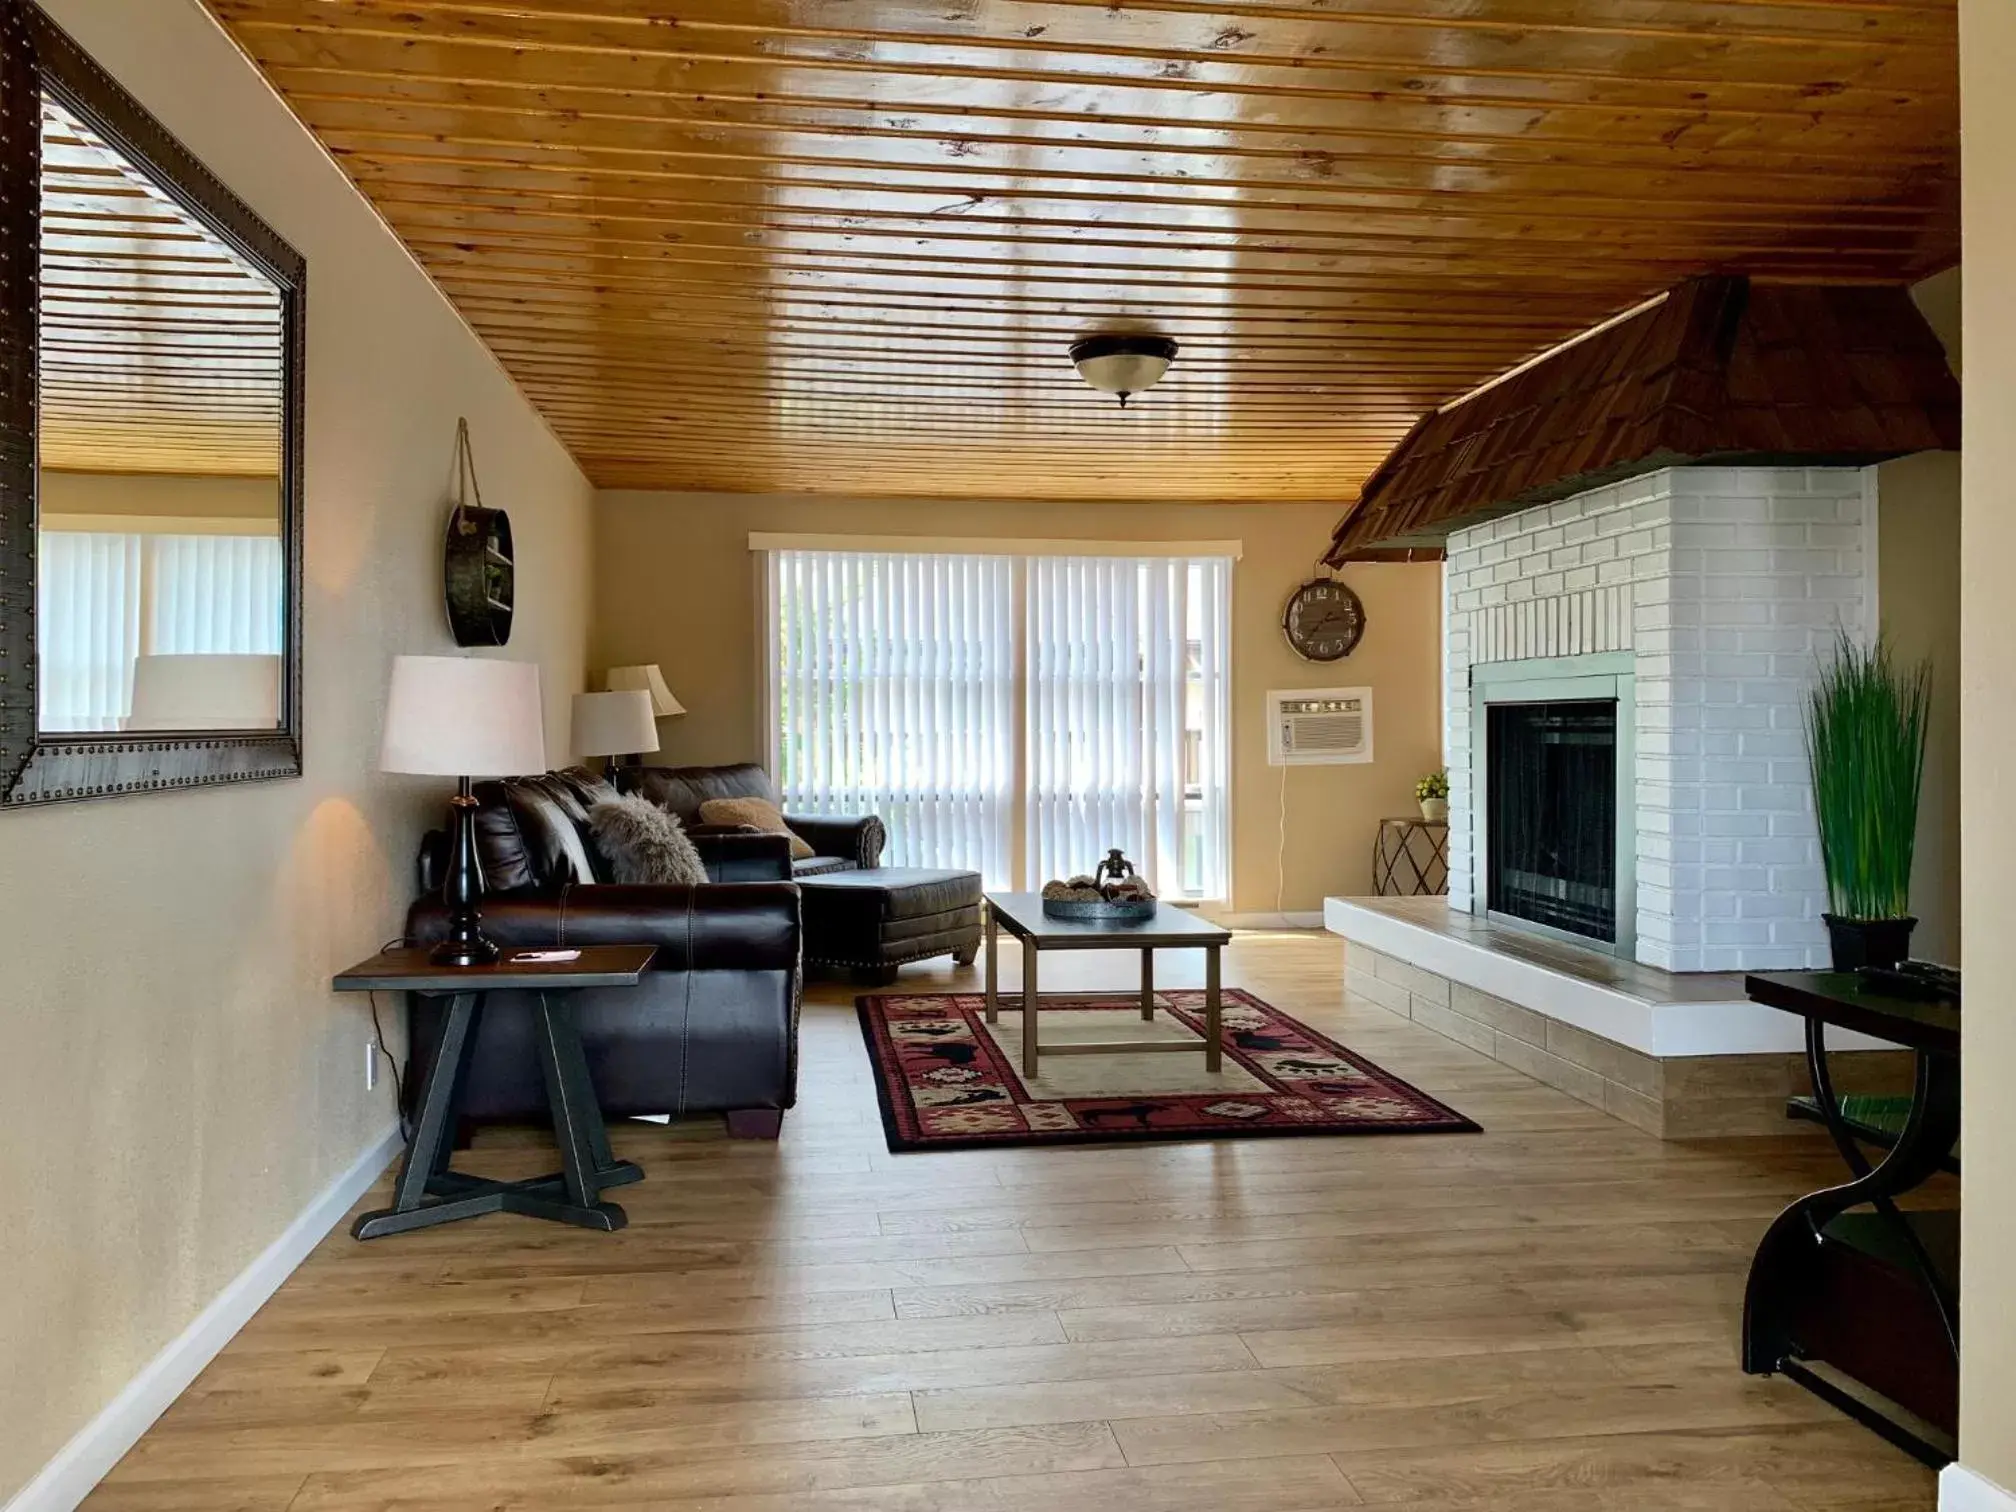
(1868, 942)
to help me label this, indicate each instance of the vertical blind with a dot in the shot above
(104, 599)
(894, 694)
(1015, 715)
(87, 628)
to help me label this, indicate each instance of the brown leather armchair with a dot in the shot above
(714, 1026)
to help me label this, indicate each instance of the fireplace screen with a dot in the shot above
(1551, 815)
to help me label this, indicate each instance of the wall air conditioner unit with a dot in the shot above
(1319, 727)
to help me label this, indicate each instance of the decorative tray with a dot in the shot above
(1117, 912)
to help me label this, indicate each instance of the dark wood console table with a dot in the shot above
(427, 1191)
(1862, 1308)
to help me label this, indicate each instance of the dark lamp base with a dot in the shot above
(481, 951)
(462, 890)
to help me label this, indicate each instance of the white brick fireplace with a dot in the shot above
(1716, 588)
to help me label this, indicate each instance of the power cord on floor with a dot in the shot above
(398, 1083)
(378, 1042)
(1281, 850)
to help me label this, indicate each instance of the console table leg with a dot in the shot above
(577, 1119)
(434, 1130)
(608, 1170)
(1148, 984)
(1781, 1264)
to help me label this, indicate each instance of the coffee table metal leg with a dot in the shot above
(1214, 1023)
(993, 969)
(1029, 954)
(1148, 983)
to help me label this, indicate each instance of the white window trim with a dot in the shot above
(158, 525)
(992, 546)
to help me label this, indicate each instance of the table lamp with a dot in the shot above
(614, 724)
(645, 677)
(463, 717)
(652, 681)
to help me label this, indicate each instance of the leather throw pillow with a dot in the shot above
(552, 827)
(757, 813)
(642, 843)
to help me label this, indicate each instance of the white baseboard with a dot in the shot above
(79, 1465)
(1310, 920)
(1964, 1490)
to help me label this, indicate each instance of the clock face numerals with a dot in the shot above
(1324, 621)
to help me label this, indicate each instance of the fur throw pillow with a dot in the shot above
(643, 843)
(757, 813)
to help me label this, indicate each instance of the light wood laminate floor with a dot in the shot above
(1540, 1317)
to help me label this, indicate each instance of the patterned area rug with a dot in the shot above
(948, 1080)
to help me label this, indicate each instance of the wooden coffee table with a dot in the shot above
(1021, 914)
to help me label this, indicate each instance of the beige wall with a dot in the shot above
(178, 1081)
(1988, 742)
(1918, 586)
(158, 494)
(676, 584)
(1918, 577)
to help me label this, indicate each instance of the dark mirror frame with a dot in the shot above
(35, 768)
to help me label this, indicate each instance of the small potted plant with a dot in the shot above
(1866, 722)
(1433, 791)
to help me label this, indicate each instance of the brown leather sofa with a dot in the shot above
(837, 844)
(714, 1027)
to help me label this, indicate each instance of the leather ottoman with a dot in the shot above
(872, 921)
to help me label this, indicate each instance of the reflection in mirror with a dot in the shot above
(161, 579)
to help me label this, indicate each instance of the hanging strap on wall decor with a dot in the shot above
(465, 489)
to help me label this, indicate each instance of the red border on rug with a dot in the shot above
(944, 1083)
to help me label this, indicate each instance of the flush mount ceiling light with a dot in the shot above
(1123, 365)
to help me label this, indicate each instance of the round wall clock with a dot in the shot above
(1323, 620)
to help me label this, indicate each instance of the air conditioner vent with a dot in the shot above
(1319, 726)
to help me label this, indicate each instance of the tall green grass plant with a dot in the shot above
(1866, 722)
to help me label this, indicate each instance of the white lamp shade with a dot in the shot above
(453, 716)
(650, 680)
(205, 693)
(614, 724)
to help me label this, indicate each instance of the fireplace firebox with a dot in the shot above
(1553, 798)
(1552, 821)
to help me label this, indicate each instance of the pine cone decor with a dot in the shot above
(1115, 883)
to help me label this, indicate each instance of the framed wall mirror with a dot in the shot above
(151, 369)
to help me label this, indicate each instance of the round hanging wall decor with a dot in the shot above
(477, 577)
(1323, 620)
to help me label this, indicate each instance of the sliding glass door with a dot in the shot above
(1018, 715)
(1125, 744)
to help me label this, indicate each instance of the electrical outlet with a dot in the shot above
(370, 1065)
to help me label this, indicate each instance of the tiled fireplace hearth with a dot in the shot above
(1635, 658)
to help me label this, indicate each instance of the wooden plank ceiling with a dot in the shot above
(842, 245)
(159, 348)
